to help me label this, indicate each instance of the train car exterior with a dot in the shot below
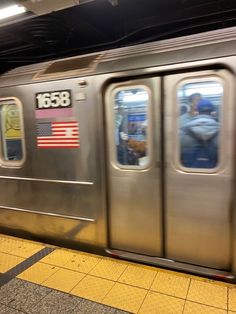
(102, 150)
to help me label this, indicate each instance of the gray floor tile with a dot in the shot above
(26, 297)
(57, 303)
(20, 297)
(103, 309)
(85, 307)
(89, 307)
(9, 290)
(3, 309)
(7, 310)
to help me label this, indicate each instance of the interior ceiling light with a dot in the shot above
(11, 11)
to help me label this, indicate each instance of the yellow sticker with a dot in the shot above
(11, 122)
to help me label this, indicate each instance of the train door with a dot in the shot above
(199, 173)
(134, 153)
(170, 167)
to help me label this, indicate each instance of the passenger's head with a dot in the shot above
(194, 99)
(120, 109)
(205, 106)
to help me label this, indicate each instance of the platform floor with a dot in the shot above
(38, 278)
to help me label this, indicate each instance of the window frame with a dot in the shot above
(223, 108)
(149, 151)
(13, 163)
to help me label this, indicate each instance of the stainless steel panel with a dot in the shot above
(50, 197)
(199, 204)
(56, 166)
(27, 210)
(135, 217)
(60, 182)
(58, 229)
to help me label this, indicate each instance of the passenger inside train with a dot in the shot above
(192, 103)
(130, 127)
(199, 133)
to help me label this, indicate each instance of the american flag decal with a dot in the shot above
(58, 135)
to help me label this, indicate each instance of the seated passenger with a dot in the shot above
(199, 138)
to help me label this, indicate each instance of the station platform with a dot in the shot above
(39, 278)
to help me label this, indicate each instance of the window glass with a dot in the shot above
(131, 126)
(11, 132)
(199, 123)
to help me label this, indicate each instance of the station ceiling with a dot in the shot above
(81, 26)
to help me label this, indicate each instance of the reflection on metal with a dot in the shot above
(72, 233)
(48, 214)
(48, 180)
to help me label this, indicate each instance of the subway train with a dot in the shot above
(106, 151)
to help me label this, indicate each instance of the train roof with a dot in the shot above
(187, 48)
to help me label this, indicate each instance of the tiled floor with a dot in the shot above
(67, 281)
(18, 297)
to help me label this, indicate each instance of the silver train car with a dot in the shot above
(99, 151)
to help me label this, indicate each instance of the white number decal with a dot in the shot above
(44, 100)
(53, 100)
(65, 99)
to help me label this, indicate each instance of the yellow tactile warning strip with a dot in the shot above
(92, 288)
(131, 287)
(128, 286)
(208, 293)
(161, 304)
(19, 255)
(19, 247)
(8, 261)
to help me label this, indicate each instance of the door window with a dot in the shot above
(131, 119)
(200, 106)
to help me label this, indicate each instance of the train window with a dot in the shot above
(11, 133)
(200, 105)
(131, 106)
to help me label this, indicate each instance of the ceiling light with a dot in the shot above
(11, 11)
(143, 96)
